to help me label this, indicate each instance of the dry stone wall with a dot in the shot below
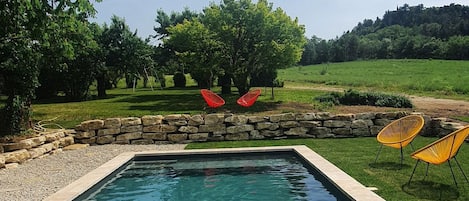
(182, 128)
(14, 153)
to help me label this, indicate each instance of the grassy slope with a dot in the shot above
(437, 78)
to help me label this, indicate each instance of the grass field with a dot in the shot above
(356, 157)
(436, 78)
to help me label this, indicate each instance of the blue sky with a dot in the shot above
(326, 19)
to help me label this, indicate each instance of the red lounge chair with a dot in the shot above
(248, 99)
(212, 99)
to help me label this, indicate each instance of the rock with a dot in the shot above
(321, 131)
(23, 144)
(310, 124)
(362, 123)
(215, 128)
(240, 128)
(188, 129)
(112, 123)
(305, 116)
(85, 134)
(255, 135)
(289, 124)
(211, 119)
(36, 152)
(87, 140)
(336, 123)
(296, 131)
(267, 125)
(177, 137)
(269, 133)
(196, 120)
(174, 117)
(69, 140)
(141, 141)
(256, 119)
(237, 120)
(163, 128)
(344, 117)
(382, 122)
(18, 156)
(374, 130)
(11, 165)
(92, 125)
(105, 139)
(2, 161)
(342, 131)
(131, 129)
(50, 146)
(200, 137)
(237, 136)
(361, 132)
(130, 121)
(149, 120)
(178, 123)
(154, 136)
(129, 136)
(109, 131)
(54, 136)
(282, 117)
(366, 115)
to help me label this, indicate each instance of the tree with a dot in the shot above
(31, 28)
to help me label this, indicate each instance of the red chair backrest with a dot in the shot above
(212, 99)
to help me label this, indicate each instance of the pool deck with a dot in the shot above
(348, 185)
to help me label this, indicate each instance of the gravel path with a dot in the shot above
(39, 178)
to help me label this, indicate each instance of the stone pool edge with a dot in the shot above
(337, 177)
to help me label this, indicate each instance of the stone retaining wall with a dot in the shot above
(12, 154)
(181, 128)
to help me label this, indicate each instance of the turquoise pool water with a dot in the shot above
(278, 176)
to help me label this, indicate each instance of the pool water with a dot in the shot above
(279, 176)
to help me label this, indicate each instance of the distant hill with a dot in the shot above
(408, 32)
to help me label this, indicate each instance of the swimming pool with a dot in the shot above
(249, 170)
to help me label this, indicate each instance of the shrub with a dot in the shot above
(179, 79)
(352, 97)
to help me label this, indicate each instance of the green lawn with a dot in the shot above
(356, 155)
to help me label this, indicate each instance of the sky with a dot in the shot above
(326, 19)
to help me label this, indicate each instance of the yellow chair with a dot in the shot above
(441, 151)
(400, 133)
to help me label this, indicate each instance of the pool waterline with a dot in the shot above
(349, 186)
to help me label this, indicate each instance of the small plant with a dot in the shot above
(353, 97)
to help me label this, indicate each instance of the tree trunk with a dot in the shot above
(101, 81)
(225, 82)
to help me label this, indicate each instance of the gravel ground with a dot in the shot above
(39, 178)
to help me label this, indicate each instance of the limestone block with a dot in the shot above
(362, 123)
(361, 132)
(336, 123)
(366, 115)
(382, 122)
(218, 128)
(237, 120)
(322, 116)
(269, 133)
(142, 141)
(109, 131)
(344, 117)
(149, 120)
(211, 119)
(240, 128)
(175, 117)
(177, 137)
(321, 131)
(178, 123)
(105, 139)
(23, 144)
(85, 134)
(55, 144)
(289, 124)
(163, 128)
(237, 136)
(112, 123)
(267, 125)
(18, 156)
(342, 131)
(2, 161)
(131, 129)
(255, 135)
(216, 138)
(305, 116)
(200, 137)
(310, 124)
(374, 130)
(69, 140)
(154, 136)
(36, 152)
(68, 132)
(1, 149)
(452, 126)
(296, 131)
(256, 119)
(50, 137)
(282, 117)
(92, 125)
(130, 121)
(129, 136)
(87, 140)
(188, 129)
(49, 146)
(196, 120)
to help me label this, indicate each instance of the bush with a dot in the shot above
(352, 97)
(179, 79)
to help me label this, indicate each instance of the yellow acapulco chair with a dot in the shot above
(400, 133)
(441, 151)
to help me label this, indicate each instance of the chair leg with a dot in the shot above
(426, 171)
(452, 173)
(412, 146)
(413, 171)
(461, 169)
(379, 151)
(402, 158)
